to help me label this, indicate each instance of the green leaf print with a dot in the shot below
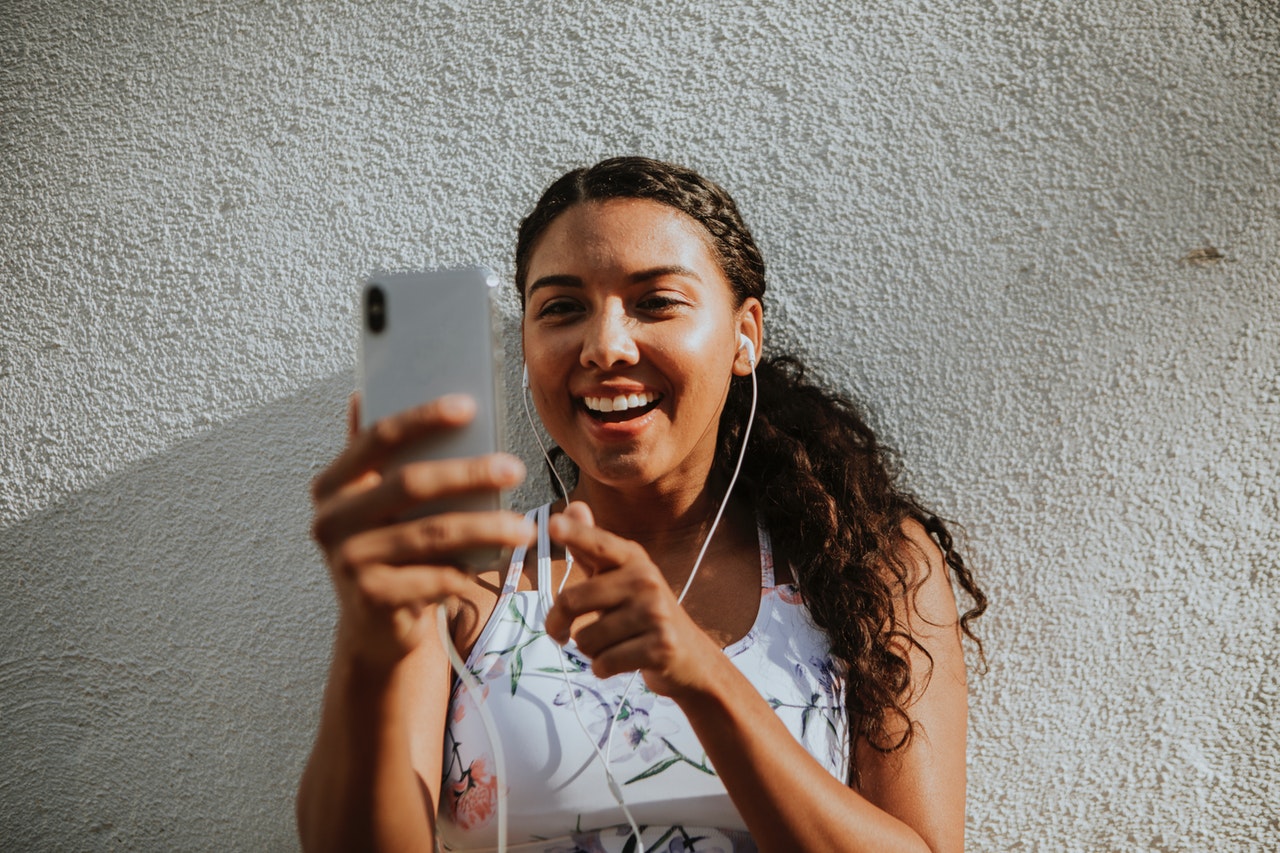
(517, 651)
(662, 838)
(519, 617)
(517, 667)
(690, 841)
(654, 770)
(667, 763)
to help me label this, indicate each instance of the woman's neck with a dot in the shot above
(672, 526)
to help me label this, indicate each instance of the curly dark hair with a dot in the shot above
(821, 481)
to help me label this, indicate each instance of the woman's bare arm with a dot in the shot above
(910, 800)
(373, 777)
(372, 782)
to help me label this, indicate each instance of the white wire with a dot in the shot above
(603, 757)
(614, 787)
(742, 454)
(524, 396)
(474, 688)
(746, 434)
(486, 719)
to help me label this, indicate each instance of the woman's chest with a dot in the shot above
(559, 726)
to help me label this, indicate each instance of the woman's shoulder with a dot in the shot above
(926, 603)
(470, 611)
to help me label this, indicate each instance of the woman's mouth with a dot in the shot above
(623, 407)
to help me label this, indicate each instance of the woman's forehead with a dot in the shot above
(613, 234)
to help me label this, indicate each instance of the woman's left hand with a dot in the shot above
(640, 624)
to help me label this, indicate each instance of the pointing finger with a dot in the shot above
(593, 548)
(579, 511)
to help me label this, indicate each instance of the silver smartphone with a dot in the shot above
(425, 335)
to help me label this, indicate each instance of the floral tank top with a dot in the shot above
(558, 798)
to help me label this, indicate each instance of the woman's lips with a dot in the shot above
(620, 408)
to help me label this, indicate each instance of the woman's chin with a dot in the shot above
(619, 470)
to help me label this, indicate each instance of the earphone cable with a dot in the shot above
(742, 453)
(614, 787)
(605, 757)
(524, 398)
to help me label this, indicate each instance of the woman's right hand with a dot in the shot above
(387, 572)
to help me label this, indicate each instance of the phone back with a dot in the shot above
(425, 335)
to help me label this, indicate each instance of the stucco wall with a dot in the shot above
(982, 218)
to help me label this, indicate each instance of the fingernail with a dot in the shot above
(508, 468)
(456, 405)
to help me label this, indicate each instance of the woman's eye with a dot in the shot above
(659, 302)
(556, 307)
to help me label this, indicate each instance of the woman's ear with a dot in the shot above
(750, 336)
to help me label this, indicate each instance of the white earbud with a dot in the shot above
(745, 342)
(524, 382)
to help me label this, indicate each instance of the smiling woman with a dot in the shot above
(805, 691)
(627, 301)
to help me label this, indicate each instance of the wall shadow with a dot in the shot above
(165, 638)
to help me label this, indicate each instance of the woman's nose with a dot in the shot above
(609, 341)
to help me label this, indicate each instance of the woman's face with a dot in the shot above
(631, 338)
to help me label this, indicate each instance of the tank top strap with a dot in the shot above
(512, 581)
(542, 515)
(766, 556)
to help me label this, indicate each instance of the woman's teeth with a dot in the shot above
(621, 403)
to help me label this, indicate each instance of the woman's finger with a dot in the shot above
(372, 448)
(434, 540)
(579, 511)
(393, 587)
(354, 509)
(353, 415)
(594, 549)
(613, 628)
(601, 593)
(643, 652)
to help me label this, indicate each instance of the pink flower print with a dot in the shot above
(788, 592)
(473, 799)
(463, 695)
(496, 669)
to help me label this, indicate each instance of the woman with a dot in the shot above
(808, 693)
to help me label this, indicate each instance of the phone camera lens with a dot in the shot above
(375, 309)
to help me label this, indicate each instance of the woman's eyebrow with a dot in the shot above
(659, 272)
(564, 280)
(556, 281)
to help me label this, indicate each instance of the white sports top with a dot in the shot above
(558, 793)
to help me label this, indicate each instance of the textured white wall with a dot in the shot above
(978, 217)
